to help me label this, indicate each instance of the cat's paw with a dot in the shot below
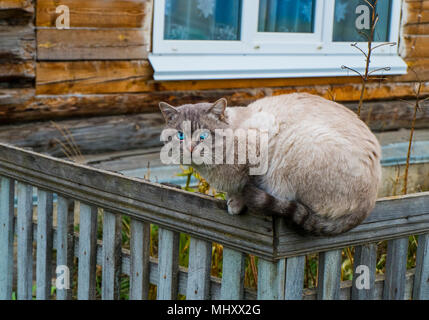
(236, 205)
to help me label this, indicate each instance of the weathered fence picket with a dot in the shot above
(269, 285)
(25, 241)
(200, 253)
(44, 244)
(365, 259)
(329, 280)
(280, 252)
(7, 192)
(64, 246)
(112, 247)
(87, 252)
(396, 267)
(168, 264)
(140, 260)
(294, 281)
(421, 278)
(233, 264)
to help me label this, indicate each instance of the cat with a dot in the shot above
(323, 168)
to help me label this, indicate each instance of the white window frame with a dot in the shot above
(269, 54)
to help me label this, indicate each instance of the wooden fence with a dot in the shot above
(281, 252)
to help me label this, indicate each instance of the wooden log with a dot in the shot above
(15, 71)
(16, 12)
(328, 284)
(22, 105)
(93, 135)
(18, 43)
(112, 246)
(7, 192)
(421, 280)
(365, 259)
(200, 254)
(98, 13)
(25, 241)
(65, 247)
(139, 260)
(396, 267)
(92, 44)
(44, 245)
(87, 252)
(233, 267)
(89, 77)
(168, 265)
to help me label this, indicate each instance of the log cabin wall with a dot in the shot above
(99, 67)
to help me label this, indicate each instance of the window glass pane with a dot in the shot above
(346, 21)
(286, 16)
(202, 19)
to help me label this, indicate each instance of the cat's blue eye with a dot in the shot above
(204, 135)
(180, 135)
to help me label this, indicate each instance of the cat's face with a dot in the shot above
(194, 128)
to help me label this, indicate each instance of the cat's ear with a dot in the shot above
(218, 109)
(169, 112)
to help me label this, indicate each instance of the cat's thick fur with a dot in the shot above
(324, 163)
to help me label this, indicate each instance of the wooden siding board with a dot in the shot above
(97, 13)
(88, 44)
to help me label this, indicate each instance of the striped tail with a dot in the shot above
(298, 216)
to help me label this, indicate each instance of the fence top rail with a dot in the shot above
(202, 216)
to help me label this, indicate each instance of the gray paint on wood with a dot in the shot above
(421, 279)
(44, 244)
(195, 214)
(87, 252)
(200, 254)
(139, 260)
(329, 275)
(25, 241)
(365, 259)
(270, 279)
(294, 285)
(7, 191)
(396, 267)
(64, 243)
(168, 265)
(233, 267)
(391, 218)
(112, 245)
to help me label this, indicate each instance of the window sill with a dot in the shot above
(208, 67)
